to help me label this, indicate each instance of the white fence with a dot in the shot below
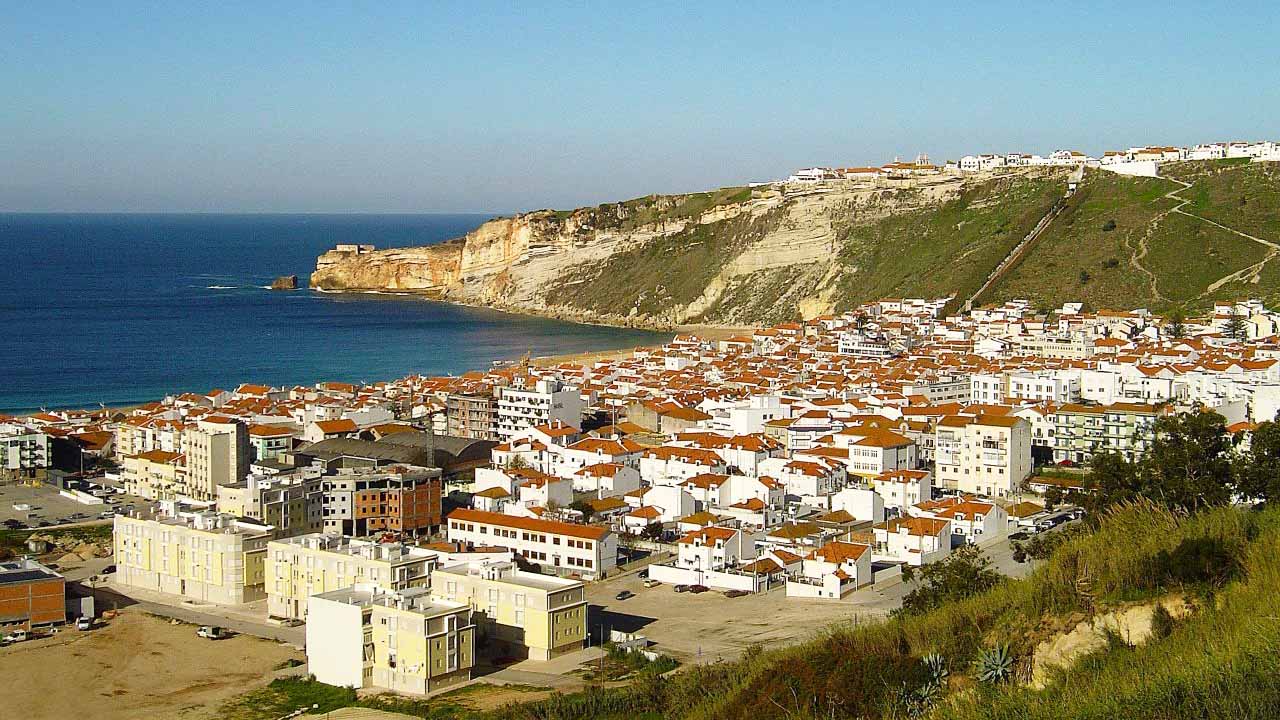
(718, 579)
(81, 497)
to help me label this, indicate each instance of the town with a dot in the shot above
(405, 532)
(1141, 161)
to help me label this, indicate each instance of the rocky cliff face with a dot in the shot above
(731, 256)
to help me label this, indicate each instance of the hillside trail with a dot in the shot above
(1135, 259)
(1016, 253)
(1248, 274)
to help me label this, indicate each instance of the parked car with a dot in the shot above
(651, 583)
(108, 569)
(15, 636)
(736, 593)
(682, 588)
(212, 632)
(1020, 535)
(643, 574)
(84, 623)
(695, 589)
(625, 594)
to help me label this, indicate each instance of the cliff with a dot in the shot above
(739, 255)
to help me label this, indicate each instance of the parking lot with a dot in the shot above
(707, 626)
(48, 508)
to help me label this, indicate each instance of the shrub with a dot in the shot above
(1162, 622)
(1109, 226)
(994, 665)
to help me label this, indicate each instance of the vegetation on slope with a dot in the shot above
(654, 277)
(945, 250)
(1119, 242)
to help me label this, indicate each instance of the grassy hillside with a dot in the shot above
(1119, 243)
(946, 250)
(1219, 661)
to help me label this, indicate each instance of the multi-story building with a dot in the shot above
(218, 453)
(400, 499)
(31, 595)
(293, 504)
(407, 642)
(521, 408)
(987, 455)
(472, 415)
(518, 613)
(271, 442)
(155, 474)
(24, 452)
(559, 547)
(299, 567)
(1080, 431)
(201, 555)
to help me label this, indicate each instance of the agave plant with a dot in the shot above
(994, 665)
(937, 667)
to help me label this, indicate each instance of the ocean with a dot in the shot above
(121, 309)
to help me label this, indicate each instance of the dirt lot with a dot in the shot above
(134, 666)
(693, 628)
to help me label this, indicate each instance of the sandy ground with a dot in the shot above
(134, 666)
(707, 332)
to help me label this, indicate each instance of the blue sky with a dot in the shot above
(417, 106)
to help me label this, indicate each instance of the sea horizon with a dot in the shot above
(120, 309)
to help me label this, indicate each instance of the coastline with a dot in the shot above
(706, 331)
(709, 331)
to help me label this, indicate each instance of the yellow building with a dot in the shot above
(306, 565)
(204, 556)
(407, 642)
(155, 474)
(518, 613)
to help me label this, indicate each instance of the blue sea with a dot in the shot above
(120, 309)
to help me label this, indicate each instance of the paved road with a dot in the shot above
(246, 619)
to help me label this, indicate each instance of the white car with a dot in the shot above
(212, 632)
(84, 623)
(15, 636)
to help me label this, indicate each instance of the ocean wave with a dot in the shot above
(220, 287)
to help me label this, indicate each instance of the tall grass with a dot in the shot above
(1140, 550)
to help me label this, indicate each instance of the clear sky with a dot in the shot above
(417, 106)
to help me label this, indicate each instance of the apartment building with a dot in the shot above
(270, 442)
(300, 567)
(399, 498)
(518, 613)
(407, 642)
(293, 504)
(24, 452)
(987, 455)
(472, 415)
(31, 595)
(1080, 431)
(1033, 386)
(155, 474)
(200, 555)
(547, 401)
(563, 548)
(217, 453)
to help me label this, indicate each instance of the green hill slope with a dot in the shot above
(1205, 231)
(1130, 242)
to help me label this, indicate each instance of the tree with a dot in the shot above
(583, 507)
(1257, 471)
(1236, 326)
(1084, 277)
(1177, 323)
(1189, 463)
(653, 531)
(965, 572)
